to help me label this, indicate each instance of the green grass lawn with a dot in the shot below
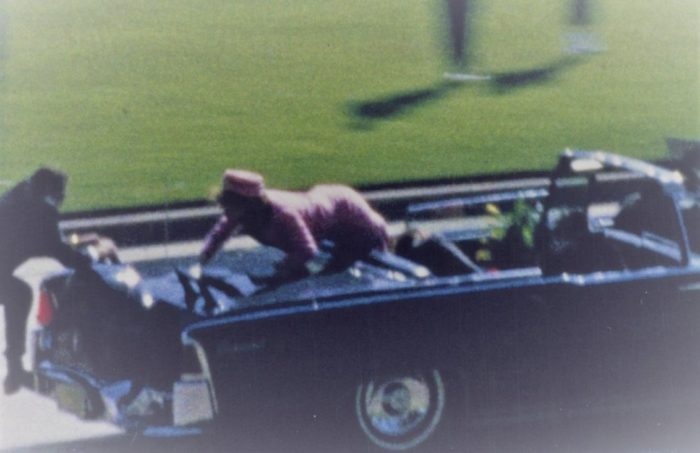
(147, 101)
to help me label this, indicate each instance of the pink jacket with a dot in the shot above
(301, 220)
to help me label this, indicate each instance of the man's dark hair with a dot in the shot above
(46, 181)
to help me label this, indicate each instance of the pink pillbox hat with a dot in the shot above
(242, 182)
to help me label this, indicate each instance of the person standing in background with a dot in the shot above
(460, 18)
(581, 39)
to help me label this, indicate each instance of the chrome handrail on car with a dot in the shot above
(499, 197)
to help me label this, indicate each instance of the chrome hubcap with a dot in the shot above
(400, 412)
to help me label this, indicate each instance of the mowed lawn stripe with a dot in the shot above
(147, 102)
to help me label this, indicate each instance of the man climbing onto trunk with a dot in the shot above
(28, 228)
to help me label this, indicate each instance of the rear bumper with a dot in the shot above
(191, 402)
(73, 392)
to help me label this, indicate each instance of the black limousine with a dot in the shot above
(494, 312)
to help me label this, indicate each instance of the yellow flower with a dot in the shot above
(483, 255)
(492, 209)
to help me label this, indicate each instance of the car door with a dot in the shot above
(621, 350)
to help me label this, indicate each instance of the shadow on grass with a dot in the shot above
(505, 82)
(365, 114)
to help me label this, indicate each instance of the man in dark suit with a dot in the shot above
(28, 228)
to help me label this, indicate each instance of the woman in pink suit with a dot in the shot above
(296, 222)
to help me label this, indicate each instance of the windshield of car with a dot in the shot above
(690, 210)
(648, 227)
(627, 221)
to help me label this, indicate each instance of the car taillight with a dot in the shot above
(45, 310)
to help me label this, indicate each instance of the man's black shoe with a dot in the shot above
(16, 380)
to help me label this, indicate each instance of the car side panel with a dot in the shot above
(510, 357)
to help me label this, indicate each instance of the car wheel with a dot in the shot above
(400, 411)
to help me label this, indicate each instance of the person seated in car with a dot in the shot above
(296, 222)
(28, 228)
(441, 256)
(568, 245)
(649, 210)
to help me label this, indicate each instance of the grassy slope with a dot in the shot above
(146, 101)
